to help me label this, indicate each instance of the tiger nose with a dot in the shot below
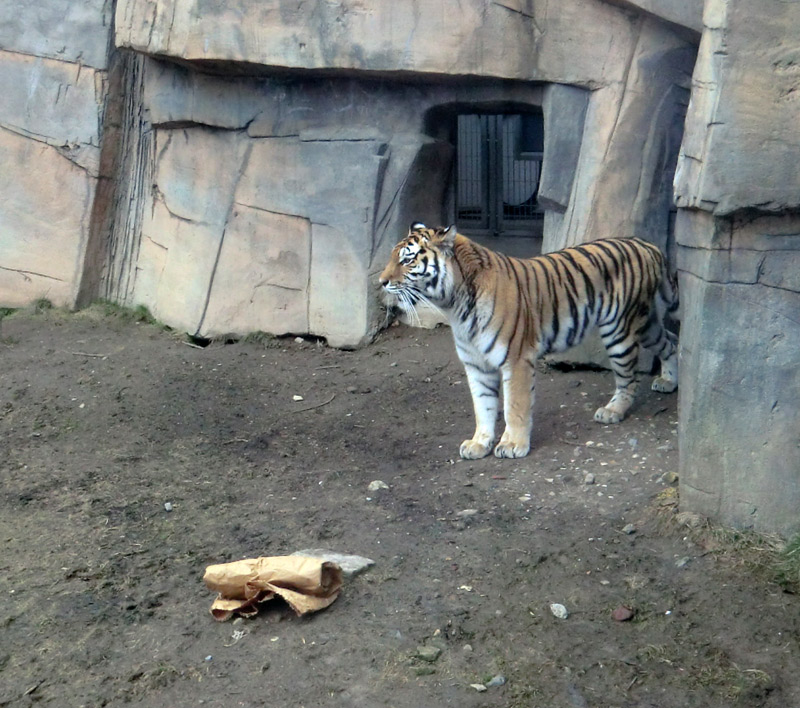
(384, 281)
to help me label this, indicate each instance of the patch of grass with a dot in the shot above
(5, 312)
(140, 313)
(41, 305)
(719, 673)
(764, 555)
(659, 653)
(523, 696)
(265, 339)
(154, 678)
(714, 670)
(787, 566)
(37, 307)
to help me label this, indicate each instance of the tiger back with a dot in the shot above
(507, 312)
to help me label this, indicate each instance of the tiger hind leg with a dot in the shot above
(623, 353)
(663, 343)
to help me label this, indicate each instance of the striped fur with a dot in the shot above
(506, 312)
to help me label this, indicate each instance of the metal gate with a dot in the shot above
(499, 160)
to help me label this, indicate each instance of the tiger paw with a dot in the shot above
(606, 416)
(663, 385)
(474, 450)
(510, 449)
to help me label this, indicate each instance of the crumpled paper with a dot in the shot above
(306, 584)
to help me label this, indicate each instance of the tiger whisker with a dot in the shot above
(408, 306)
(412, 307)
(428, 302)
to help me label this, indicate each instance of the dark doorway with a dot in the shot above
(499, 160)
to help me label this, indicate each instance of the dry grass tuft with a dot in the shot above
(768, 556)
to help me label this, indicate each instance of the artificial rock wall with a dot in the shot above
(53, 84)
(264, 201)
(247, 166)
(738, 232)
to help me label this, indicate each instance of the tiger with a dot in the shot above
(505, 313)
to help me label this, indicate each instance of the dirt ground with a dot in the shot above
(104, 420)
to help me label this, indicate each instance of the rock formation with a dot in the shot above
(738, 232)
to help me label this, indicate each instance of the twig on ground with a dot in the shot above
(309, 408)
(236, 440)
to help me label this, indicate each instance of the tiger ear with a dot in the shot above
(417, 226)
(448, 235)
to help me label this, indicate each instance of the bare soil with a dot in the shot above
(104, 420)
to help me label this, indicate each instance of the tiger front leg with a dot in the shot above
(484, 385)
(518, 389)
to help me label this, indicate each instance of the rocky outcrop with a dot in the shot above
(53, 68)
(739, 254)
(682, 13)
(351, 161)
(269, 204)
(742, 147)
(572, 41)
(233, 196)
(640, 115)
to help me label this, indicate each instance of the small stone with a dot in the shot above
(375, 485)
(682, 562)
(498, 680)
(466, 513)
(623, 613)
(351, 565)
(629, 529)
(467, 648)
(298, 340)
(559, 610)
(668, 478)
(167, 506)
(208, 658)
(588, 478)
(428, 653)
(479, 687)
(424, 670)
(297, 398)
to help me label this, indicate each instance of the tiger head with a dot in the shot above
(418, 267)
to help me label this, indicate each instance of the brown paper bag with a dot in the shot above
(306, 584)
